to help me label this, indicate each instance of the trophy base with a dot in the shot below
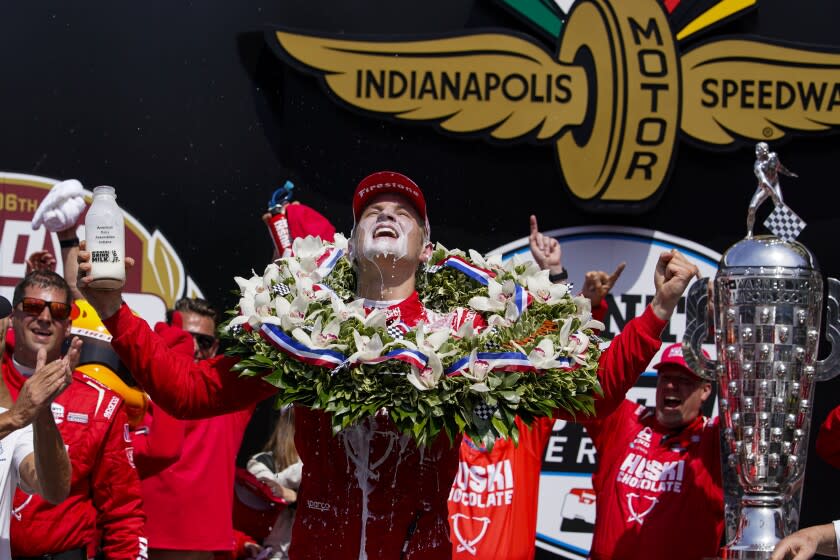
(761, 525)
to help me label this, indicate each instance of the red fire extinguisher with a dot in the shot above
(277, 224)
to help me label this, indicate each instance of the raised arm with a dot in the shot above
(632, 350)
(47, 470)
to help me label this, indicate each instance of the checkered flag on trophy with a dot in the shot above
(784, 223)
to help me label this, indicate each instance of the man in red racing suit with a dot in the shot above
(367, 492)
(658, 481)
(105, 496)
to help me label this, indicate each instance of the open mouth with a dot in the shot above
(42, 333)
(671, 402)
(383, 231)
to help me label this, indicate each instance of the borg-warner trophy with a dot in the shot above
(764, 312)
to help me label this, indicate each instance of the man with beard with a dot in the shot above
(367, 492)
(655, 465)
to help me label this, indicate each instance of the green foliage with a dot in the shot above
(353, 392)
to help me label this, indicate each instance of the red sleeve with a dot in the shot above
(624, 360)
(176, 383)
(160, 445)
(116, 495)
(240, 539)
(828, 439)
(600, 313)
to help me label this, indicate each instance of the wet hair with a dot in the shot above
(42, 279)
(198, 306)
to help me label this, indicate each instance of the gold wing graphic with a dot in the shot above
(162, 272)
(759, 91)
(502, 85)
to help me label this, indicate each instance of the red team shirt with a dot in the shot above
(489, 518)
(659, 492)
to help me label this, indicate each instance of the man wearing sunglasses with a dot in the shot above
(104, 500)
(189, 504)
(39, 463)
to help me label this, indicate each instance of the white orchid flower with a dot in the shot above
(429, 340)
(584, 314)
(367, 348)
(429, 376)
(306, 289)
(321, 336)
(376, 319)
(545, 291)
(574, 345)
(466, 331)
(247, 314)
(486, 262)
(499, 298)
(271, 275)
(288, 315)
(578, 347)
(254, 303)
(308, 247)
(303, 268)
(248, 287)
(543, 356)
(477, 371)
(340, 242)
(346, 311)
(498, 321)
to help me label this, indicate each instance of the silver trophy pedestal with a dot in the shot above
(761, 525)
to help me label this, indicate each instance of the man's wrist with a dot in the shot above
(560, 276)
(68, 242)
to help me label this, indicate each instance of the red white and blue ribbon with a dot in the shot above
(328, 260)
(323, 357)
(501, 361)
(407, 355)
(482, 276)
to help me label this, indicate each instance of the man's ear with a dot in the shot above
(426, 253)
(707, 390)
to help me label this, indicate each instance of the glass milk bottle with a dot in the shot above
(105, 239)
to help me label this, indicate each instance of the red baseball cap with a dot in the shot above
(388, 182)
(673, 356)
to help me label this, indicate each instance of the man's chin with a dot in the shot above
(669, 418)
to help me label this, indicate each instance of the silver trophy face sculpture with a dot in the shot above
(764, 310)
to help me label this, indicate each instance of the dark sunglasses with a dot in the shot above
(59, 310)
(205, 341)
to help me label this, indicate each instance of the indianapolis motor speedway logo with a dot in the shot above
(614, 99)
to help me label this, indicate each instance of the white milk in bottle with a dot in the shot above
(105, 233)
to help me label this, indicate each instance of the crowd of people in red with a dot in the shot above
(159, 479)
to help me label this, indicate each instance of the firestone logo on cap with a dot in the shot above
(384, 182)
(389, 186)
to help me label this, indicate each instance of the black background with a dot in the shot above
(184, 109)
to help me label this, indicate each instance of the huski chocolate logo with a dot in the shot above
(613, 99)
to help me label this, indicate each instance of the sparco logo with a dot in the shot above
(613, 100)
